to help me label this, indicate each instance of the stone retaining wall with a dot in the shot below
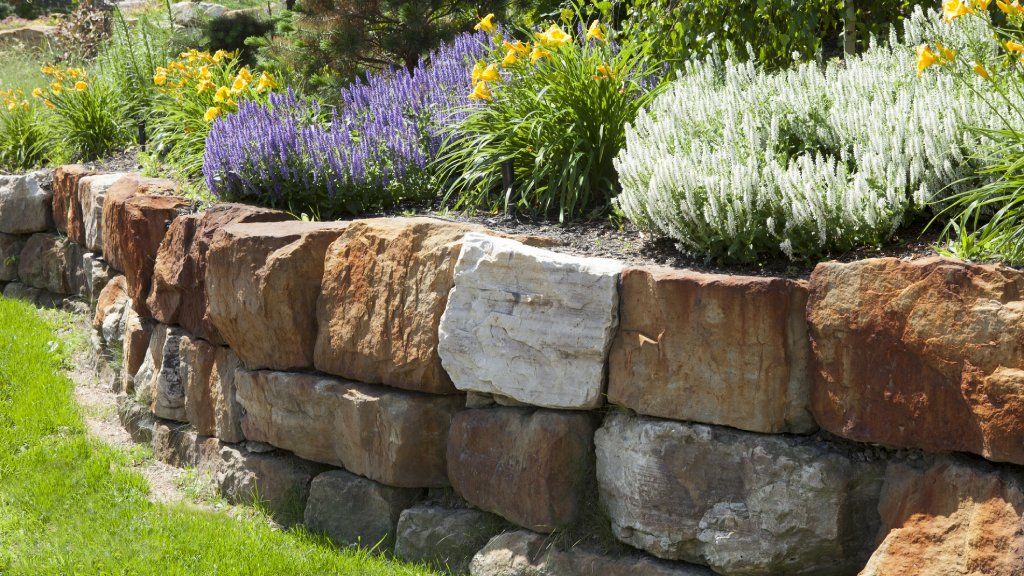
(485, 404)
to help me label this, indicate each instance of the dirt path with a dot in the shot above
(99, 407)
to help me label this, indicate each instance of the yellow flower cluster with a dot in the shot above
(13, 100)
(953, 9)
(516, 51)
(62, 79)
(926, 57)
(211, 74)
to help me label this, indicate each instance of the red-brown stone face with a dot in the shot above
(386, 283)
(67, 210)
(952, 517)
(136, 215)
(710, 348)
(115, 291)
(924, 354)
(532, 467)
(179, 294)
(263, 281)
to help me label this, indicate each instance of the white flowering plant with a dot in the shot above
(739, 164)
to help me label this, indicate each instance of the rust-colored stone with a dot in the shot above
(115, 291)
(730, 350)
(386, 284)
(532, 467)
(925, 353)
(950, 519)
(179, 294)
(136, 216)
(263, 281)
(67, 210)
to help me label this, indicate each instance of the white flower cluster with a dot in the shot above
(736, 163)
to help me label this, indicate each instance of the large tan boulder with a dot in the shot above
(136, 214)
(924, 353)
(49, 262)
(26, 204)
(391, 436)
(179, 294)
(530, 324)
(263, 281)
(730, 350)
(952, 518)
(67, 209)
(532, 467)
(208, 373)
(92, 193)
(742, 503)
(386, 285)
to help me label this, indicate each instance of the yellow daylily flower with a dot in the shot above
(538, 53)
(604, 72)
(554, 36)
(510, 59)
(478, 70)
(982, 4)
(222, 95)
(490, 74)
(980, 70)
(11, 105)
(211, 113)
(480, 92)
(517, 47)
(266, 82)
(245, 74)
(486, 24)
(925, 58)
(160, 77)
(56, 88)
(37, 93)
(1011, 8)
(238, 85)
(1012, 46)
(205, 86)
(947, 54)
(595, 31)
(47, 70)
(49, 104)
(953, 9)
(81, 86)
(219, 55)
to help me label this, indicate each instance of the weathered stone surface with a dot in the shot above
(92, 192)
(350, 509)
(445, 538)
(739, 502)
(92, 276)
(49, 262)
(136, 418)
(114, 293)
(950, 518)
(133, 229)
(391, 436)
(179, 293)
(168, 389)
(264, 279)
(278, 480)
(25, 205)
(195, 13)
(178, 444)
(924, 353)
(10, 252)
(532, 467)
(135, 345)
(386, 284)
(730, 350)
(524, 553)
(19, 291)
(529, 324)
(67, 210)
(208, 373)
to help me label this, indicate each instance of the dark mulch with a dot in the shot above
(127, 161)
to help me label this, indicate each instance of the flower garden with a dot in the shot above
(512, 287)
(584, 113)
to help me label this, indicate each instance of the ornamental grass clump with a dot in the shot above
(986, 221)
(368, 154)
(88, 113)
(738, 164)
(551, 116)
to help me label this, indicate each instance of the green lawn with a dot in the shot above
(72, 505)
(19, 68)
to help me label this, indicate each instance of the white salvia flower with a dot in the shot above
(809, 159)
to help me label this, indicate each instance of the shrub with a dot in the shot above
(89, 114)
(775, 30)
(736, 163)
(25, 140)
(986, 221)
(230, 33)
(369, 154)
(192, 91)
(80, 35)
(555, 113)
(6, 10)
